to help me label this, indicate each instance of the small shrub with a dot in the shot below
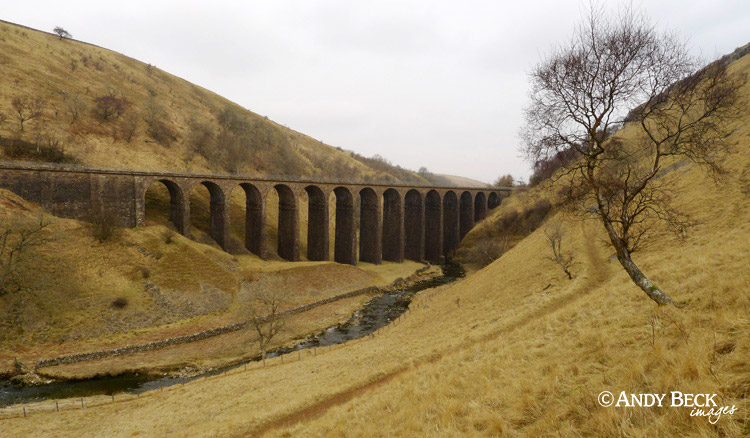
(109, 106)
(168, 236)
(119, 303)
(156, 127)
(488, 249)
(129, 126)
(103, 225)
(145, 272)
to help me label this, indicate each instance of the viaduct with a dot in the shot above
(395, 221)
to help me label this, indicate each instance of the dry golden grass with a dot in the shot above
(197, 287)
(39, 64)
(501, 353)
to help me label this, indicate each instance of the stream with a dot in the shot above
(377, 313)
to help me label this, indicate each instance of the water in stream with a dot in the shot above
(377, 313)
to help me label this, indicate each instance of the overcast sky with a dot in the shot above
(423, 83)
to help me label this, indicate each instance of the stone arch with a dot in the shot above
(433, 227)
(493, 200)
(288, 225)
(255, 220)
(218, 213)
(345, 250)
(393, 226)
(451, 235)
(370, 227)
(414, 222)
(480, 207)
(467, 214)
(317, 224)
(178, 211)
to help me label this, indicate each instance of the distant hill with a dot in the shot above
(63, 100)
(462, 181)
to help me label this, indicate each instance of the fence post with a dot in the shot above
(81, 402)
(57, 406)
(24, 412)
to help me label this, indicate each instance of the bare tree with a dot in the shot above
(564, 259)
(16, 238)
(264, 300)
(62, 33)
(27, 108)
(76, 105)
(582, 92)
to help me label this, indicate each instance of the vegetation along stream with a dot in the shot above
(377, 313)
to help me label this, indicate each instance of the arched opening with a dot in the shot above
(433, 226)
(255, 220)
(393, 227)
(317, 224)
(288, 225)
(467, 215)
(451, 235)
(414, 226)
(165, 205)
(345, 236)
(480, 207)
(370, 231)
(209, 213)
(493, 200)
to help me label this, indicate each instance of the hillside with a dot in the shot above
(462, 181)
(148, 284)
(515, 349)
(86, 104)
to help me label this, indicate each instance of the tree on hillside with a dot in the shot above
(110, 105)
(506, 180)
(584, 88)
(27, 108)
(555, 233)
(263, 300)
(62, 33)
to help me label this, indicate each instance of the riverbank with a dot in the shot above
(197, 353)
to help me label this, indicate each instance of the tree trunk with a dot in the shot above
(623, 255)
(644, 283)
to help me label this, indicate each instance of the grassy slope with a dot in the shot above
(500, 353)
(197, 287)
(36, 63)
